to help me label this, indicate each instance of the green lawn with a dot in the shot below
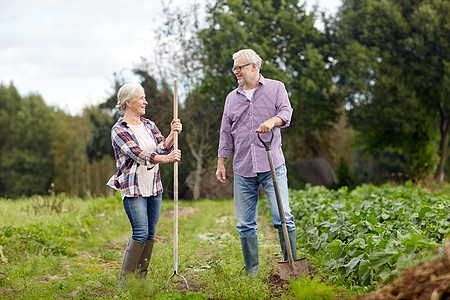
(73, 250)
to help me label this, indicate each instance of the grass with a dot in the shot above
(73, 250)
(312, 288)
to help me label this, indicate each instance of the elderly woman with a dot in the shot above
(139, 148)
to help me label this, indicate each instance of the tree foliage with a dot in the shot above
(44, 149)
(27, 166)
(294, 51)
(393, 73)
(10, 101)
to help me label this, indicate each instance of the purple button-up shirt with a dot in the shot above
(241, 117)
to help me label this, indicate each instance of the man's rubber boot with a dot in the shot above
(144, 260)
(250, 252)
(293, 239)
(131, 256)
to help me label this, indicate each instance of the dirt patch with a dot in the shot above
(183, 212)
(425, 281)
(178, 284)
(279, 286)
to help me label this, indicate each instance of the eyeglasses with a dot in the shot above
(238, 68)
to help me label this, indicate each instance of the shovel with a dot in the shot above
(290, 268)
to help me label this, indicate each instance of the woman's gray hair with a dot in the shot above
(126, 92)
(250, 56)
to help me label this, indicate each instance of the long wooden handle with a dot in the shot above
(175, 182)
(280, 210)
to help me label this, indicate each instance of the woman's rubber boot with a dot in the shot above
(293, 239)
(250, 252)
(144, 260)
(131, 256)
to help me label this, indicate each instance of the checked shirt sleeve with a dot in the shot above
(160, 141)
(124, 144)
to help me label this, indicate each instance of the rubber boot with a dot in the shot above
(144, 260)
(131, 256)
(293, 239)
(250, 252)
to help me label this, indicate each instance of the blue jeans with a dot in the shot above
(246, 191)
(143, 213)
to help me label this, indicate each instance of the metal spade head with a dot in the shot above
(298, 268)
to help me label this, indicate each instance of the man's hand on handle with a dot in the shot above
(267, 126)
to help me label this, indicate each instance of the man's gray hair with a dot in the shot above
(126, 92)
(250, 56)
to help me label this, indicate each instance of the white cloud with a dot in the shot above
(67, 51)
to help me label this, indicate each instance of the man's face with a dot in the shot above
(245, 75)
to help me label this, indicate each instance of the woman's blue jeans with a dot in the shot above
(246, 191)
(143, 213)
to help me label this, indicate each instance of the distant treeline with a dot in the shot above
(369, 88)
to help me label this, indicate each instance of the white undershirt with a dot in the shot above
(249, 93)
(147, 144)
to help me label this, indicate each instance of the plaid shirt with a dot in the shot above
(129, 156)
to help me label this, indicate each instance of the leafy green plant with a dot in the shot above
(369, 234)
(35, 239)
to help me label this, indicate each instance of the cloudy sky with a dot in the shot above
(67, 51)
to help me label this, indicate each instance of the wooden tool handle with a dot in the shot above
(175, 179)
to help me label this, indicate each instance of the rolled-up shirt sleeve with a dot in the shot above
(225, 137)
(283, 106)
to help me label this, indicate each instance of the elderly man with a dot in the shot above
(257, 105)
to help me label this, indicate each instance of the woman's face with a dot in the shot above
(137, 105)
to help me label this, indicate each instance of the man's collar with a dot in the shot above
(261, 80)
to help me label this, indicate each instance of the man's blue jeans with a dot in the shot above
(246, 191)
(143, 213)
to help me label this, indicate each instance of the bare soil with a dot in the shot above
(425, 281)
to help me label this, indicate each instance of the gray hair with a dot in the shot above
(249, 56)
(126, 92)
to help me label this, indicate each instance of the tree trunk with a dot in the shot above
(445, 129)
(199, 167)
(198, 175)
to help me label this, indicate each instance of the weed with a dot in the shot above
(46, 204)
(109, 255)
(312, 288)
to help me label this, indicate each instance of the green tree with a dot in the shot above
(393, 72)
(28, 162)
(69, 137)
(99, 142)
(10, 102)
(294, 51)
(199, 113)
